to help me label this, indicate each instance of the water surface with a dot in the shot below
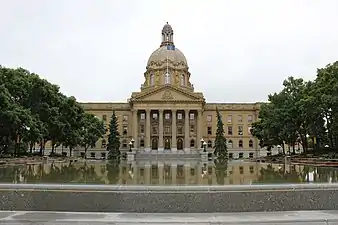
(162, 173)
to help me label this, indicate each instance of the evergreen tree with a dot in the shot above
(113, 146)
(221, 150)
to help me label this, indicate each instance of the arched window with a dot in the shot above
(182, 80)
(240, 144)
(142, 143)
(152, 80)
(209, 144)
(124, 144)
(230, 144)
(167, 78)
(250, 144)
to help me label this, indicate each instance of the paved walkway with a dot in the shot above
(261, 218)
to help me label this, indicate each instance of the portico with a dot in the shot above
(164, 129)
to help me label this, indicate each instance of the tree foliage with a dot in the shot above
(304, 112)
(32, 110)
(113, 146)
(221, 150)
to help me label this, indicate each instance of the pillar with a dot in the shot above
(148, 142)
(186, 131)
(160, 130)
(135, 129)
(173, 131)
(199, 128)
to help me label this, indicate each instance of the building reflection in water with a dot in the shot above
(166, 173)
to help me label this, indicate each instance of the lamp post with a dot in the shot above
(204, 146)
(132, 142)
(202, 141)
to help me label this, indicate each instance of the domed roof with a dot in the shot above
(167, 50)
(162, 54)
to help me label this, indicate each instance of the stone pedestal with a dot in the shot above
(130, 156)
(204, 156)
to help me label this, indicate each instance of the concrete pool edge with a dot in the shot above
(168, 199)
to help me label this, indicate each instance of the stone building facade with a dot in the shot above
(167, 115)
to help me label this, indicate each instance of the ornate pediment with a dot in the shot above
(168, 93)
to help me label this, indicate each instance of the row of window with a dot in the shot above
(240, 130)
(167, 116)
(192, 143)
(167, 79)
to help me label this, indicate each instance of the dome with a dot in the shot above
(167, 50)
(162, 54)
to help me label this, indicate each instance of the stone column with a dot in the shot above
(160, 131)
(173, 132)
(148, 143)
(199, 128)
(135, 129)
(186, 131)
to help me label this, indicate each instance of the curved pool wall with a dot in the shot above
(168, 199)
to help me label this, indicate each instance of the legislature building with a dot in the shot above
(168, 116)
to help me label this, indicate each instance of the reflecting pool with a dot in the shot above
(166, 173)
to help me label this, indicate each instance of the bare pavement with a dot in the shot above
(255, 218)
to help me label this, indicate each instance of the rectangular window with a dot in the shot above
(154, 116)
(104, 117)
(192, 128)
(249, 118)
(179, 116)
(143, 116)
(125, 130)
(167, 116)
(240, 130)
(251, 155)
(209, 118)
(229, 118)
(142, 129)
(180, 130)
(92, 154)
(240, 118)
(241, 156)
(231, 155)
(192, 116)
(229, 130)
(209, 130)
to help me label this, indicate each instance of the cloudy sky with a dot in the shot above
(237, 50)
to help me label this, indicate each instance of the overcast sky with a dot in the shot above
(237, 50)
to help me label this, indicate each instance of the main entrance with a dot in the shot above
(179, 144)
(166, 143)
(154, 144)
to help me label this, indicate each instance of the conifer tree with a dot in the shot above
(221, 150)
(113, 146)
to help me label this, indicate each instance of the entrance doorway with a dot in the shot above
(179, 144)
(154, 144)
(166, 143)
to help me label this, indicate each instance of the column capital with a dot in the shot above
(174, 110)
(147, 110)
(161, 110)
(186, 110)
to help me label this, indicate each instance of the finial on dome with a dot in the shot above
(167, 35)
